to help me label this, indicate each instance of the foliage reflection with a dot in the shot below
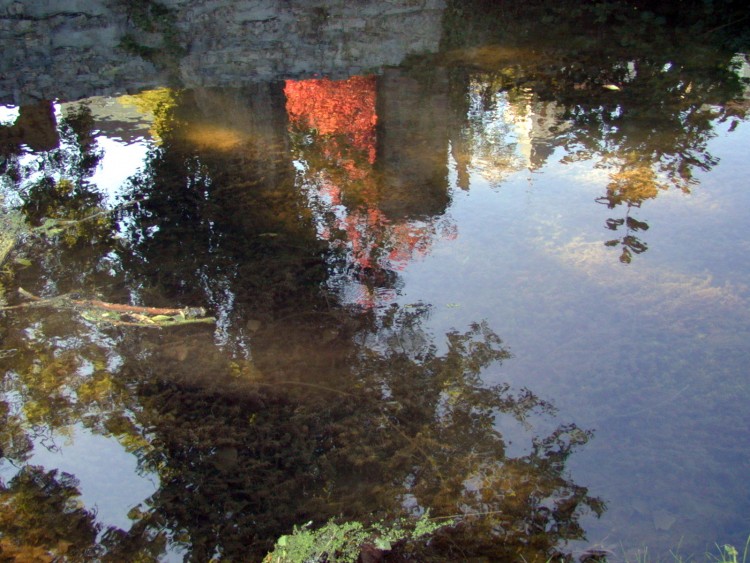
(616, 92)
(309, 410)
(368, 426)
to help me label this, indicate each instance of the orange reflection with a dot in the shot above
(335, 122)
(214, 137)
(336, 107)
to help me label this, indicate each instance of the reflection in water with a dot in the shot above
(650, 134)
(311, 410)
(35, 127)
(366, 424)
(40, 518)
(296, 210)
(378, 210)
(342, 110)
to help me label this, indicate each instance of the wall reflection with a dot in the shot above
(79, 50)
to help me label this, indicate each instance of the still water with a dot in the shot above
(505, 283)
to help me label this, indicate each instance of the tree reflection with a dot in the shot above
(216, 210)
(339, 414)
(616, 92)
(15, 443)
(41, 519)
(360, 429)
(333, 411)
(371, 161)
(58, 203)
(300, 407)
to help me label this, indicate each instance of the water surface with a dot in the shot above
(503, 282)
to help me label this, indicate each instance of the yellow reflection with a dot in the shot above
(156, 105)
(634, 184)
(208, 136)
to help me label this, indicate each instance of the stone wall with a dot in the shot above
(69, 49)
(65, 49)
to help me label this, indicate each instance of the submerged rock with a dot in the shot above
(663, 520)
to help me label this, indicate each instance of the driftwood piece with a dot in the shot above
(119, 314)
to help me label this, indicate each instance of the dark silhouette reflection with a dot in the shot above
(313, 428)
(58, 204)
(64, 191)
(629, 243)
(41, 521)
(413, 135)
(35, 127)
(66, 156)
(15, 443)
(217, 210)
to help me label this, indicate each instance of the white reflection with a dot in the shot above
(108, 475)
(8, 114)
(119, 162)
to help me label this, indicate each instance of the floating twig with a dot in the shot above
(94, 310)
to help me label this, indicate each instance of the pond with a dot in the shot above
(266, 267)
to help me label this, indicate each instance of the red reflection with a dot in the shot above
(338, 119)
(336, 107)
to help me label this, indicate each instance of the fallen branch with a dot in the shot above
(53, 226)
(94, 310)
(187, 312)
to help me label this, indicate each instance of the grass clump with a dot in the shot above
(343, 543)
(726, 553)
(729, 554)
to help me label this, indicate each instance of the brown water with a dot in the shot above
(503, 283)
